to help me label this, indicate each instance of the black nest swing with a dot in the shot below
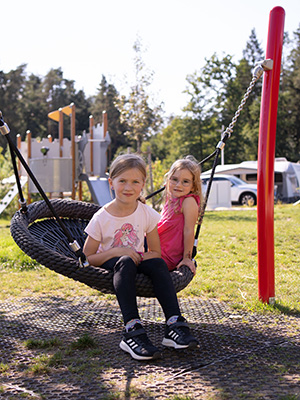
(39, 235)
(52, 231)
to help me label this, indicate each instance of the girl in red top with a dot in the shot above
(176, 227)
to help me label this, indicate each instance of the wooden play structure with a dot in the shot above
(61, 165)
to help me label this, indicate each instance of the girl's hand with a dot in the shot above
(189, 263)
(136, 257)
(96, 258)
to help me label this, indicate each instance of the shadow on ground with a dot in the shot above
(241, 355)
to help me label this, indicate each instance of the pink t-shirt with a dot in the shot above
(170, 230)
(127, 231)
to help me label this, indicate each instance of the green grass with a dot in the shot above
(227, 263)
(227, 258)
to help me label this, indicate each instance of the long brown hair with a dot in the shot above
(127, 161)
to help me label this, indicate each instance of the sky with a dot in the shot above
(91, 38)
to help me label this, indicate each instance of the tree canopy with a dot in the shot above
(135, 120)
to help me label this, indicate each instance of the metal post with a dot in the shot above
(61, 132)
(266, 158)
(28, 133)
(61, 138)
(73, 133)
(19, 140)
(105, 124)
(222, 150)
(91, 145)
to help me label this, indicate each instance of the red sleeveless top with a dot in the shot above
(170, 230)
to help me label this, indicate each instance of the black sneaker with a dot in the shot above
(178, 335)
(138, 345)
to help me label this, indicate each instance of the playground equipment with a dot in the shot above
(13, 191)
(266, 155)
(62, 164)
(43, 240)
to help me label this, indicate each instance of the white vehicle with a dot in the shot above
(241, 192)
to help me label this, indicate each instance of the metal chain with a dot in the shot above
(241, 106)
(265, 65)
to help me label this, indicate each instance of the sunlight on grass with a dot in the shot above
(227, 263)
(227, 258)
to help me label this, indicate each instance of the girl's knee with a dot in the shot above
(156, 266)
(159, 262)
(125, 262)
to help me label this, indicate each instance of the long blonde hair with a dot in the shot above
(191, 164)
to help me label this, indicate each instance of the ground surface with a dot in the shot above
(242, 355)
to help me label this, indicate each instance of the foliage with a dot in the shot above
(27, 100)
(11, 91)
(214, 94)
(142, 120)
(289, 104)
(106, 100)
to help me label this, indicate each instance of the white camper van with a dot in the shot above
(287, 176)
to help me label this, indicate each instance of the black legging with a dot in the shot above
(125, 272)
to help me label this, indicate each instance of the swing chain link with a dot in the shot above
(265, 65)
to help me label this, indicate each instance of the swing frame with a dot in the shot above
(33, 223)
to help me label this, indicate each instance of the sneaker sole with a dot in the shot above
(170, 343)
(127, 349)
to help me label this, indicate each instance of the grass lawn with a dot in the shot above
(227, 263)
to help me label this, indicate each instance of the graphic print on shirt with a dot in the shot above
(125, 237)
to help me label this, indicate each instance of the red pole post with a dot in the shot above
(266, 158)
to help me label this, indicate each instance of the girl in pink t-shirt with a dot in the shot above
(176, 227)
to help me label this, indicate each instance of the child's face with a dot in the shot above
(181, 183)
(128, 185)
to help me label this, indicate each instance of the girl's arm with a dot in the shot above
(91, 246)
(190, 211)
(153, 243)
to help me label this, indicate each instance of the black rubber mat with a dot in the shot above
(241, 355)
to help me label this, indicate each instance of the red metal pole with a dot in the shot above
(266, 158)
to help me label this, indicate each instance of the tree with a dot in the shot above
(244, 140)
(253, 52)
(215, 93)
(106, 100)
(207, 92)
(83, 110)
(288, 121)
(34, 107)
(60, 92)
(142, 120)
(11, 92)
